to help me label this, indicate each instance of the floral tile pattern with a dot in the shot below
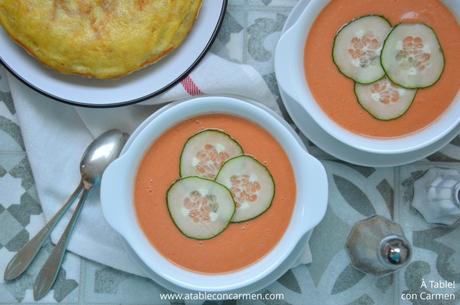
(450, 153)
(230, 41)
(436, 255)
(21, 215)
(355, 193)
(20, 218)
(106, 285)
(249, 34)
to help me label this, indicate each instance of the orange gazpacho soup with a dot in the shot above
(336, 94)
(241, 243)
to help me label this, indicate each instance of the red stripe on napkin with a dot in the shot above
(190, 86)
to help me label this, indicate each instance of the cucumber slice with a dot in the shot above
(384, 100)
(357, 47)
(412, 56)
(200, 208)
(205, 152)
(251, 184)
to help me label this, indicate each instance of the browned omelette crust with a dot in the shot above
(98, 38)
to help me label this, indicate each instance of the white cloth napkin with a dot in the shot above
(55, 136)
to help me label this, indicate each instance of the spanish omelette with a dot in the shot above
(98, 38)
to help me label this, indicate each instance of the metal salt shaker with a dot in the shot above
(378, 246)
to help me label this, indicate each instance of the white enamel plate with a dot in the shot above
(133, 88)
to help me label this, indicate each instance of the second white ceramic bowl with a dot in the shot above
(118, 182)
(290, 74)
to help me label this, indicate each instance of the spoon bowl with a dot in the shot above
(99, 154)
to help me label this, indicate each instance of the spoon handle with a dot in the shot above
(21, 261)
(48, 274)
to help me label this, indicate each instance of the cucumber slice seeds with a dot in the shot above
(357, 47)
(205, 152)
(388, 65)
(384, 100)
(251, 184)
(200, 208)
(412, 56)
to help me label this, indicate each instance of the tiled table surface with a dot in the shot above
(249, 33)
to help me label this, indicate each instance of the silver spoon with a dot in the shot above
(97, 156)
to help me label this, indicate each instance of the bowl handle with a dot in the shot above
(113, 195)
(288, 62)
(315, 204)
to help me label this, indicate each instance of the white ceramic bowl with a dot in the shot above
(118, 184)
(290, 74)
